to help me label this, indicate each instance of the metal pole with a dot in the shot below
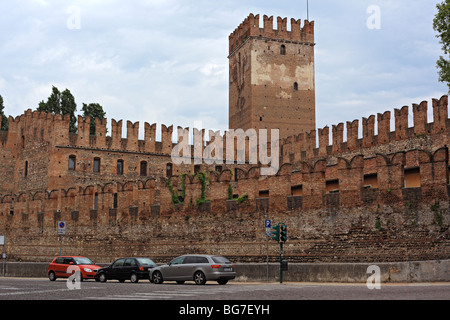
(307, 10)
(281, 261)
(4, 261)
(267, 258)
(60, 245)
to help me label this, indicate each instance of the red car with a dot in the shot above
(65, 266)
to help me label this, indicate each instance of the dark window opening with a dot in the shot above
(295, 86)
(26, 169)
(143, 169)
(297, 190)
(119, 166)
(169, 170)
(72, 162)
(370, 181)
(96, 164)
(264, 193)
(332, 186)
(96, 201)
(115, 201)
(283, 49)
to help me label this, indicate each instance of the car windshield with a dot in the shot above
(82, 261)
(146, 262)
(218, 259)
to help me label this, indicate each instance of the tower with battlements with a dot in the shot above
(271, 81)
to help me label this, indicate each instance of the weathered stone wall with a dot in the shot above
(389, 223)
(344, 202)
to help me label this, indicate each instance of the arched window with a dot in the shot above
(295, 86)
(169, 168)
(283, 49)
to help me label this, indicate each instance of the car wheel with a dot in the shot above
(222, 282)
(157, 277)
(52, 276)
(134, 278)
(199, 278)
(102, 277)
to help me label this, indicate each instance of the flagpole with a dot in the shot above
(307, 10)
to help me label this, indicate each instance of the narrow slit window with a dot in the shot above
(72, 162)
(120, 167)
(96, 164)
(143, 169)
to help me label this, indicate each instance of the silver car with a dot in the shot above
(197, 268)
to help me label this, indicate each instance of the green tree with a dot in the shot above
(61, 103)
(93, 110)
(441, 24)
(3, 118)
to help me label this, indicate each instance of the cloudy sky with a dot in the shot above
(165, 61)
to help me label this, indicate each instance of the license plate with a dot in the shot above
(227, 269)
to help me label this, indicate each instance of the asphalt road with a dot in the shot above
(43, 289)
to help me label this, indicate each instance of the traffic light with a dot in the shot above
(283, 233)
(276, 233)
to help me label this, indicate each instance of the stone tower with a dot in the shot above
(271, 78)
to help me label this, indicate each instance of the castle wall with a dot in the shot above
(388, 223)
(344, 201)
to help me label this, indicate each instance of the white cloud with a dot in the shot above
(166, 62)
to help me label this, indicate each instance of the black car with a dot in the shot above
(122, 269)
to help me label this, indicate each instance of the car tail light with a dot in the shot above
(215, 266)
(141, 268)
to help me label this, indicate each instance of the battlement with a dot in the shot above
(250, 28)
(304, 146)
(36, 127)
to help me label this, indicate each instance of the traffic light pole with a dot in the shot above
(281, 261)
(280, 235)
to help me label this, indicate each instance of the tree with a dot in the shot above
(3, 118)
(61, 103)
(441, 24)
(93, 110)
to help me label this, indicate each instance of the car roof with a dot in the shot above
(201, 255)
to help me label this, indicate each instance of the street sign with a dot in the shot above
(268, 225)
(61, 227)
(2, 240)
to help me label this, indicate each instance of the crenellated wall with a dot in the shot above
(250, 28)
(381, 197)
(304, 145)
(112, 219)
